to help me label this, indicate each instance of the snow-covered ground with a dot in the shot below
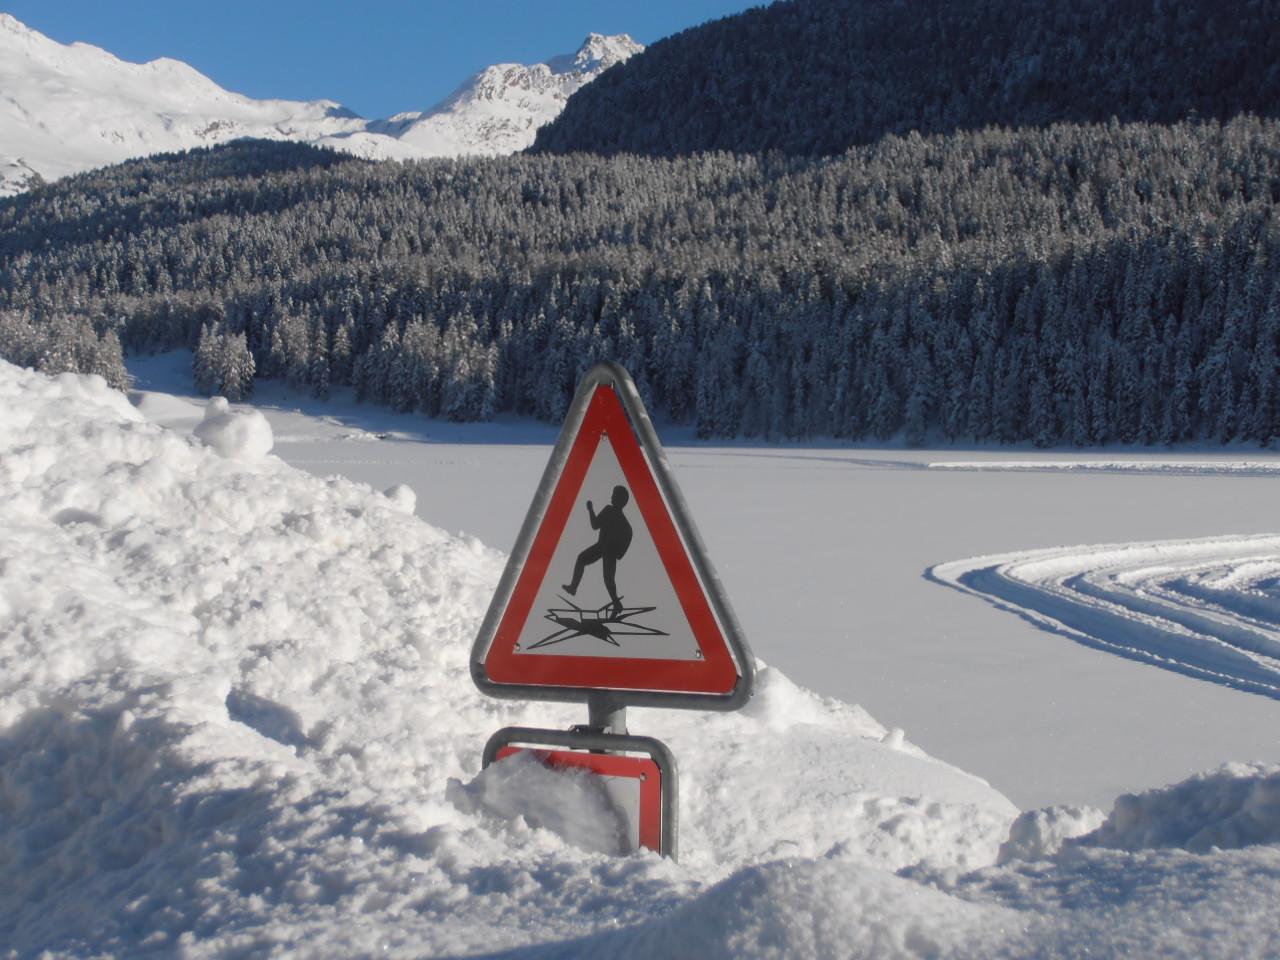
(235, 716)
(827, 553)
(1208, 608)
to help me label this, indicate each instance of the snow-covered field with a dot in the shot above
(827, 557)
(235, 716)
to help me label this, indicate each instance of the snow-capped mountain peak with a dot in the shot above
(500, 109)
(71, 107)
(11, 25)
(597, 53)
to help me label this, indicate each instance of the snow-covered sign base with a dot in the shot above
(641, 792)
(630, 785)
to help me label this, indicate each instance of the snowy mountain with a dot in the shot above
(68, 108)
(500, 109)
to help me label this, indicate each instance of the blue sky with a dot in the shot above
(378, 57)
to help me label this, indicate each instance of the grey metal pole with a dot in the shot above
(606, 713)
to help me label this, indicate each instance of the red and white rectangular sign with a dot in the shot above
(633, 784)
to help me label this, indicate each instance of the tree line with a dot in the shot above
(1077, 284)
(58, 342)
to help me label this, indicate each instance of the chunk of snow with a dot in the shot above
(1039, 834)
(895, 738)
(240, 434)
(572, 804)
(402, 498)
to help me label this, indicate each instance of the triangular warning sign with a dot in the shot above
(607, 587)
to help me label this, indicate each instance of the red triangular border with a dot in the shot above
(714, 674)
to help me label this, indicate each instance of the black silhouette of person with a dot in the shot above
(615, 538)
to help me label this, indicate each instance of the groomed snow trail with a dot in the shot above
(1209, 608)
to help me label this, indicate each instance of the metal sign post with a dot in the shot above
(608, 596)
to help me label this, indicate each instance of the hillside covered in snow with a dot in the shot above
(235, 715)
(500, 109)
(68, 108)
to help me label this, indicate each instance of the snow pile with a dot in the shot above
(235, 434)
(233, 696)
(1190, 870)
(1039, 834)
(570, 803)
(829, 907)
(798, 775)
(1236, 806)
(1209, 608)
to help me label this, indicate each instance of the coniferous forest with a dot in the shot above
(1077, 282)
(817, 76)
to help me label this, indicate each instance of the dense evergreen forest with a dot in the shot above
(1079, 283)
(817, 76)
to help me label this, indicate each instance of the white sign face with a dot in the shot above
(624, 795)
(606, 592)
(607, 587)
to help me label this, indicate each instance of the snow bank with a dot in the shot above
(236, 719)
(829, 907)
(1235, 806)
(233, 696)
(218, 680)
(798, 775)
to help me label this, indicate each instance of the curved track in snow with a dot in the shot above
(1208, 608)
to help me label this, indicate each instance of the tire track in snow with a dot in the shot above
(1206, 608)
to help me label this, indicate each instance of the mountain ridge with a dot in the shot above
(68, 108)
(499, 109)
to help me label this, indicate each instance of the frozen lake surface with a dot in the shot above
(825, 553)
